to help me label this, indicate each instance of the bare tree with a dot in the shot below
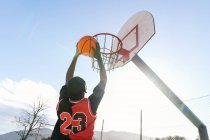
(32, 120)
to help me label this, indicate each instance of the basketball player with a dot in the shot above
(77, 114)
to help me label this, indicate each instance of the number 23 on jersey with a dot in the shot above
(73, 124)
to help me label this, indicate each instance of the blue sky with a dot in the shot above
(37, 42)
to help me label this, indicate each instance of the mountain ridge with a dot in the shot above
(109, 135)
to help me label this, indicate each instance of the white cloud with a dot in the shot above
(16, 95)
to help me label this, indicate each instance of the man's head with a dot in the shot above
(76, 88)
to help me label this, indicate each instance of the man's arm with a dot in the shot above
(98, 91)
(103, 77)
(70, 71)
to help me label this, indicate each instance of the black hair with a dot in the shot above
(76, 88)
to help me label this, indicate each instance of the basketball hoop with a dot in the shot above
(110, 45)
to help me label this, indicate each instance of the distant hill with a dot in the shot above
(119, 135)
(110, 135)
(45, 132)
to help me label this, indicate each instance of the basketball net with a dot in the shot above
(110, 45)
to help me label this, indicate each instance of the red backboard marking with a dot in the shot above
(124, 52)
(125, 55)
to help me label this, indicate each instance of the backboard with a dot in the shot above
(134, 34)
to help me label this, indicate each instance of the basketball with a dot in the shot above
(85, 45)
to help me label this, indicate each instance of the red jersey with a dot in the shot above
(79, 123)
(76, 118)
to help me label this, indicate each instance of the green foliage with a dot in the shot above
(171, 138)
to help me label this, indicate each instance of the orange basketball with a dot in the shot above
(85, 45)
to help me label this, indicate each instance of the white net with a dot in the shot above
(109, 47)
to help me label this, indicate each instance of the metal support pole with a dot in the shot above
(203, 132)
(102, 130)
(171, 96)
(141, 125)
